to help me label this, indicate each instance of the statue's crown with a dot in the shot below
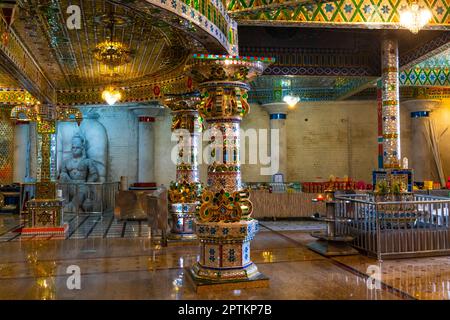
(77, 136)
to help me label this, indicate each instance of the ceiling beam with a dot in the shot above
(335, 14)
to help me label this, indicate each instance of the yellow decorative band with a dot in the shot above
(390, 136)
(390, 69)
(391, 166)
(390, 103)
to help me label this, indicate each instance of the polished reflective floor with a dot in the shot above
(129, 266)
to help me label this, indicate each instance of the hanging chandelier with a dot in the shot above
(109, 52)
(414, 17)
(112, 53)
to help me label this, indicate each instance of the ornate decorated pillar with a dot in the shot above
(390, 104)
(223, 224)
(278, 115)
(184, 192)
(391, 171)
(45, 211)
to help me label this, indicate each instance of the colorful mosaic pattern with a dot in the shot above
(428, 50)
(146, 92)
(268, 89)
(425, 93)
(348, 13)
(434, 71)
(210, 15)
(224, 226)
(225, 206)
(232, 58)
(16, 96)
(425, 77)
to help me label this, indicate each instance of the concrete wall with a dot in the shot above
(327, 138)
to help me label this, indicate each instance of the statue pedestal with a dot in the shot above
(182, 215)
(225, 257)
(45, 219)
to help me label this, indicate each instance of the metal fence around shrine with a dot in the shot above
(395, 229)
(101, 195)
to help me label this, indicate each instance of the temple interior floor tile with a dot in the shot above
(133, 267)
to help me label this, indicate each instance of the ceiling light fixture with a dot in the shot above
(111, 95)
(109, 52)
(414, 17)
(291, 100)
(112, 53)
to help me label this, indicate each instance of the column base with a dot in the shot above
(183, 215)
(45, 232)
(46, 216)
(200, 284)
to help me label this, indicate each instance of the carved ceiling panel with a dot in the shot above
(157, 49)
(6, 81)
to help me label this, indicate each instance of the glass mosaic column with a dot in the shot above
(390, 104)
(184, 192)
(223, 223)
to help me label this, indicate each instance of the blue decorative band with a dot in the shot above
(420, 114)
(278, 116)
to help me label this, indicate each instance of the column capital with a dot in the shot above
(421, 105)
(147, 111)
(276, 108)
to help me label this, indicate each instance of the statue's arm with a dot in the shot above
(93, 175)
(64, 175)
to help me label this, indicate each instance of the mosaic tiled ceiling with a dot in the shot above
(325, 64)
(6, 81)
(347, 13)
(434, 71)
(157, 49)
(267, 89)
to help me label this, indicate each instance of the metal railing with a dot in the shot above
(416, 226)
(97, 197)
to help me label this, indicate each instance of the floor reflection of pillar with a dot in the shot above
(223, 223)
